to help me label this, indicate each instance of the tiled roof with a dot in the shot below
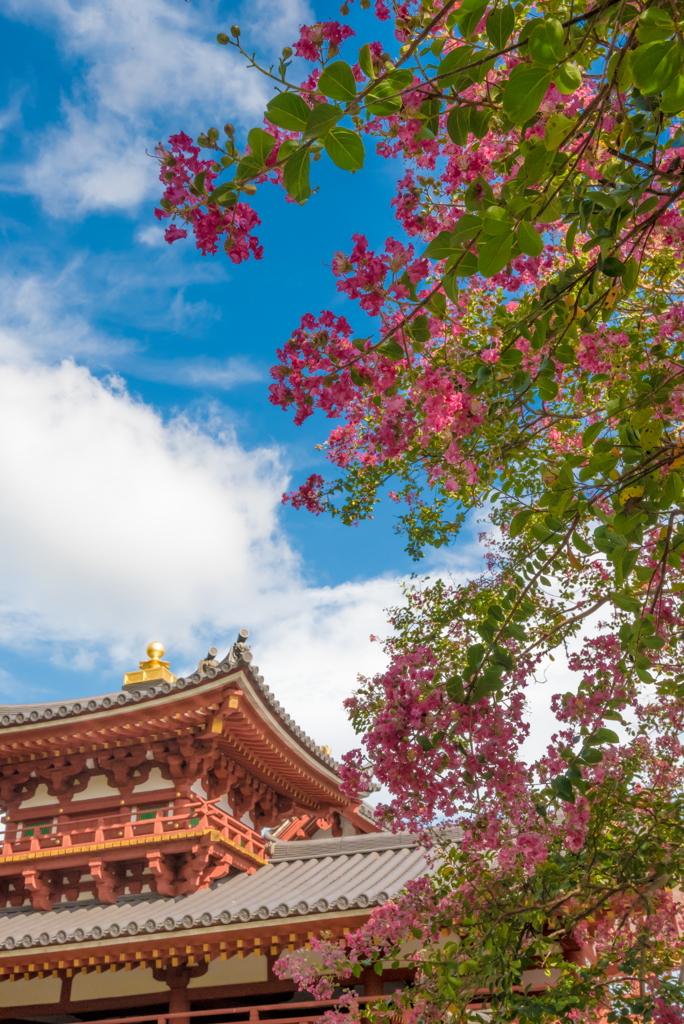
(301, 878)
(239, 656)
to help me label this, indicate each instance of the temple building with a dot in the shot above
(165, 844)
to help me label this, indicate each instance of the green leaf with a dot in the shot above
(529, 240)
(286, 149)
(493, 258)
(673, 97)
(547, 387)
(478, 193)
(392, 350)
(419, 328)
(568, 78)
(503, 658)
(288, 111)
(630, 274)
(454, 688)
(629, 560)
(345, 148)
(499, 26)
(441, 247)
(613, 267)
(625, 603)
(497, 222)
(479, 121)
(536, 163)
(602, 736)
(558, 129)
(474, 655)
(366, 61)
(591, 433)
(581, 544)
(224, 195)
(383, 99)
(447, 72)
(550, 212)
(519, 522)
(458, 125)
(248, 168)
(470, 15)
(296, 175)
(563, 788)
(546, 45)
(337, 82)
(377, 967)
(261, 144)
(321, 120)
(654, 65)
(524, 91)
(467, 226)
(450, 286)
(465, 265)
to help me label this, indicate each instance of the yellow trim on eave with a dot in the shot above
(112, 844)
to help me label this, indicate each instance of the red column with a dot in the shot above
(179, 1002)
(372, 983)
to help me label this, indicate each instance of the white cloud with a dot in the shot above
(150, 68)
(152, 236)
(117, 528)
(201, 372)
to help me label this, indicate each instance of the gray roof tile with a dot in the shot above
(356, 871)
(239, 655)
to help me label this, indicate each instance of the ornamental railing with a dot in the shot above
(273, 1013)
(144, 821)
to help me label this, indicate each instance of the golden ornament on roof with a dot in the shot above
(152, 670)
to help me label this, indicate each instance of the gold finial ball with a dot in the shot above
(155, 651)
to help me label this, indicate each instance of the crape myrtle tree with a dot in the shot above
(526, 358)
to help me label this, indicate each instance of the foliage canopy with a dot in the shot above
(528, 358)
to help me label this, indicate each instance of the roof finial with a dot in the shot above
(152, 670)
(155, 651)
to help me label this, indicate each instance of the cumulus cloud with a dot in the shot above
(116, 528)
(149, 69)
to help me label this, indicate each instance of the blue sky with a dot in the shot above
(141, 461)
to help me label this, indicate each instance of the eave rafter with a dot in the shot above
(200, 946)
(228, 709)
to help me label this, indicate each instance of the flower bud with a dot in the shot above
(235, 31)
(249, 189)
(229, 129)
(213, 134)
(287, 52)
(365, 4)
(222, 38)
(344, 10)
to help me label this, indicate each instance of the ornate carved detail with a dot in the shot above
(125, 767)
(108, 880)
(61, 774)
(185, 759)
(16, 783)
(271, 809)
(247, 795)
(38, 885)
(177, 874)
(164, 870)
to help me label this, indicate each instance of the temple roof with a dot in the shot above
(155, 693)
(312, 878)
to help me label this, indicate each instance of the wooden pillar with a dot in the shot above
(372, 983)
(179, 1002)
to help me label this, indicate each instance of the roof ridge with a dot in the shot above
(239, 655)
